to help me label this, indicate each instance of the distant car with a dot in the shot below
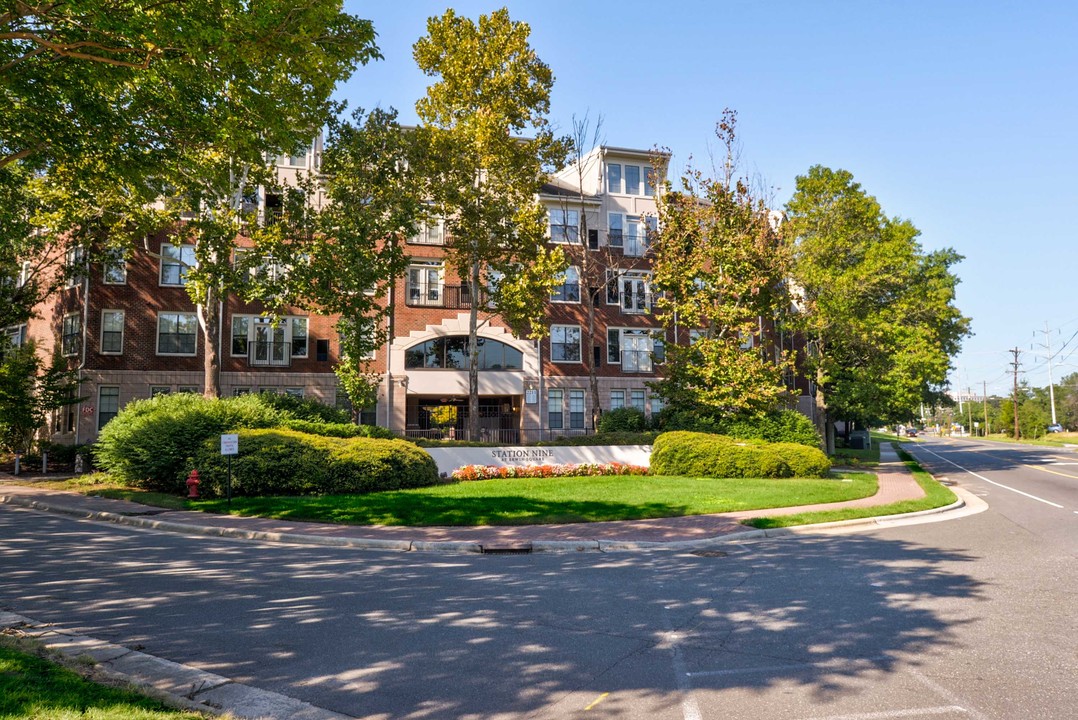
(911, 432)
(1056, 427)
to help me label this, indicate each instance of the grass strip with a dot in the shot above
(540, 501)
(936, 495)
(34, 687)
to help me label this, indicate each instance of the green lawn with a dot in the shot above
(936, 495)
(553, 500)
(31, 687)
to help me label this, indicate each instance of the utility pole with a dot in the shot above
(969, 410)
(1017, 433)
(984, 399)
(1051, 385)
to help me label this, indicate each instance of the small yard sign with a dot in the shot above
(230, 444)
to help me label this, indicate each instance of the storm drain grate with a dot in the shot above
(506, 549)
(709, 553)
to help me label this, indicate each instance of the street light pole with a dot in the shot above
(1051, 386)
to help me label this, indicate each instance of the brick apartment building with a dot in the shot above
(130, 329)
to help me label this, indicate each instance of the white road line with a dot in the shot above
(911, 712)
(946, 694)
(689, 709)
(823, 665)
(993, 482)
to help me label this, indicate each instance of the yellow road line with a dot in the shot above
(596, 701)
(1054, 472)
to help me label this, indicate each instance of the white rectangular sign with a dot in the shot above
(230, 444)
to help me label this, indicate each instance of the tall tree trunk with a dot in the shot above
(593, 374)
(473, 355)
(822, 419)
(209, 318)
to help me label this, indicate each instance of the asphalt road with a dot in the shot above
(968, 618)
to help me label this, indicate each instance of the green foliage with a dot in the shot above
(28, 393)
(339, 429)
(287, 462)
(705, 455)
(625, 419)
(777, 426)
(720, 267)
(878, 312)
(605, 438)
(148, 443)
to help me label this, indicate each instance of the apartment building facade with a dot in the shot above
(130, 329)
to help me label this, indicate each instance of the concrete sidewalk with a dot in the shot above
(895, 484)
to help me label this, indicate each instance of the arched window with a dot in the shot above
(451, 353)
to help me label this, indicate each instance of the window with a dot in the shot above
(241, 328)
(576, 409)
(748, 340)
(108, 405)
(634, 349)
(636, 242)
(656, 405)
(115, 267)
(294, 391)
(613, 346)
(565, 343)
(176, 333)
(632, 179)
(321, 350)
(425, 283)
(74, 266)
(564, 225)
(452, 353)
(193, 389)
(15, 336)
(71, 334)
(294, 159)
(156, 390)
(299, 336)
(555, 408)
(615, 229)
(612, 295)
(112, 332)
(431, 232)
(26, 271)
(236, 392)
(613, 178)
(649, 180)
(175, 261)
(569, 289)
(635, 292)
(637, 400)
(617, 399)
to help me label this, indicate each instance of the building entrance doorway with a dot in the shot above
(447, 418)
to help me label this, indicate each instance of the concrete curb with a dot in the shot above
(179, 686)
(456, 546)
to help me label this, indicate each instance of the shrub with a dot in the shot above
(606, 438)
(340, 430)
(288, 462)
(625, 419)
(779, 426)
(304, 408)
(706, 455)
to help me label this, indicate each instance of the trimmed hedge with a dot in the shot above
(606, 438)
(288, 462)
(149, 442)
(340, 430)
(719, 456)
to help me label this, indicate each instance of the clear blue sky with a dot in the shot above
(960, 116)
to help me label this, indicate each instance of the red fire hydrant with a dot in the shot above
(192, 484)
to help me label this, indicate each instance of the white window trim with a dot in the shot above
(119, 259)
(307, 336)
(635, 276)
(74, 266)
(620, 362)
(424, 299)
(183, 266)
(621, 178)
(157, 334)
(564, 240)
(123, 332)
(564, 276)
(253, 320)
(579, 344)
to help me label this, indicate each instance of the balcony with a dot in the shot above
(453, 297)
(266, 353)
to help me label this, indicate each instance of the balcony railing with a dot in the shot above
(266, 353)
(454, 297)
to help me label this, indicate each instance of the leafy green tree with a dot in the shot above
(876, 310)
(721, 267)
(108, 102)
(29, 392)
(483, 175)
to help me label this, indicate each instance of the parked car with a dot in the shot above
(1055, 427)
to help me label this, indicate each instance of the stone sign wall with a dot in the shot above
(451, 458)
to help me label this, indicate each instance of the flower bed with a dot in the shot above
(489, 472)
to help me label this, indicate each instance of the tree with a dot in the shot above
(484, 176)
(108, 101)
(876, 311)
(720, 267)
(29, 392)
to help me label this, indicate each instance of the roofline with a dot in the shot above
(633, 151)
